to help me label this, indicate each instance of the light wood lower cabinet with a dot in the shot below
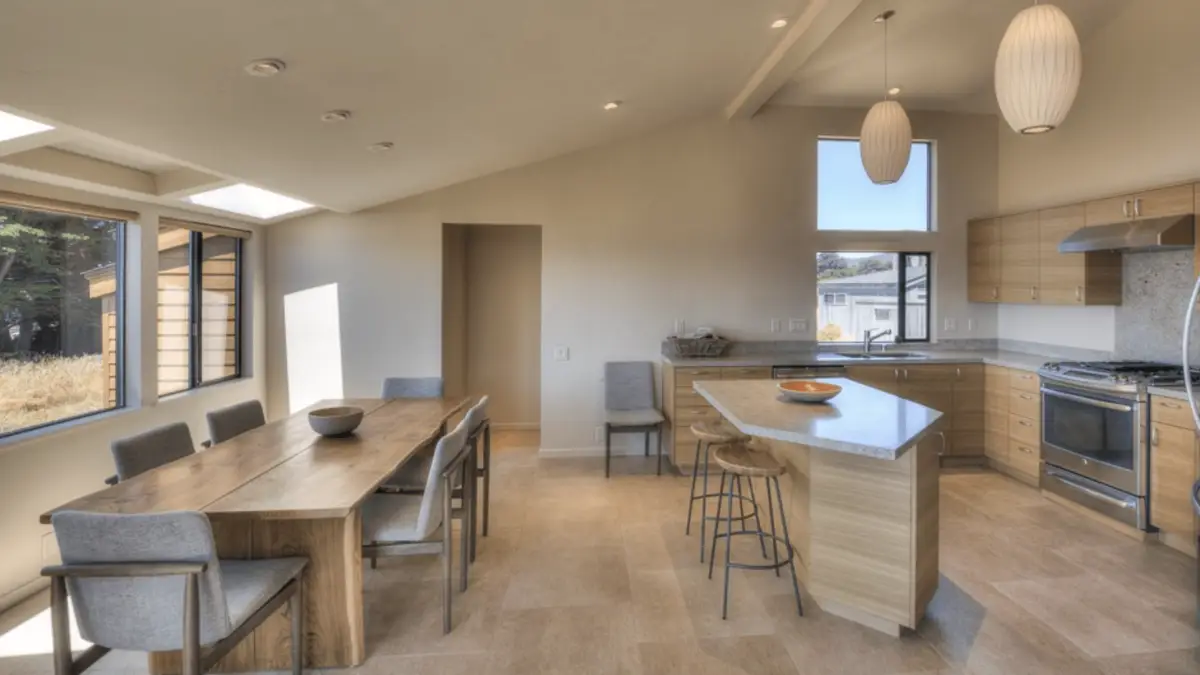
(1174, 467)
(682, 405)
(954, 390)
(1013, 422)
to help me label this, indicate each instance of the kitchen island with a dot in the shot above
(861, 490)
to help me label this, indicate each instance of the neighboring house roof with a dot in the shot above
(867, 284)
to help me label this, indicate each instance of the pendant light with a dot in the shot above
(1038, 69)
(886, 139)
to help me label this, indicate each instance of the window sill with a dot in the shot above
(20, 438)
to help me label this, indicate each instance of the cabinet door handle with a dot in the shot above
(958, 373)
(1137, 208)
(1024, 423)
(896, 374)
(1170, 404)
(1027, 397)
(1079, 294)
(1154, 436)
(1125, 208)
(1024, 449)
(995, 292)
(906, 374)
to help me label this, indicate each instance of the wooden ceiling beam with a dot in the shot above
(814, 26)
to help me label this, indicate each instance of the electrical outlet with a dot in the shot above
(949, 325)
(776, 325)
(562, 353)
(970, 325)
(680, 326)
(798, 325)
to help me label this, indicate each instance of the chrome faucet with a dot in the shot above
(869, 338)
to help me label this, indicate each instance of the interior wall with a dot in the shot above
(44, 469)
(454, 309)
(709, 221)
(1133, 126)
(504, 321)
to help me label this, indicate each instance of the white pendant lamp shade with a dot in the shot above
(1038, 69)
(886, 142)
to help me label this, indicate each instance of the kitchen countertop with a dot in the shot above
(1007, 359)
(861, 420)
(1171, 392)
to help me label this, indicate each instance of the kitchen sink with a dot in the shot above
(874, 356)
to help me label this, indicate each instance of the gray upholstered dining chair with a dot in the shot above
(479, 431)
(629, 405)
(152, 582)
(405, 524)
(235, 420)
(149, 450)
(411, 476)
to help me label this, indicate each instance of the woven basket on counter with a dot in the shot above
(691, 348)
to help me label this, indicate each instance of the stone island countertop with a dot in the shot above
(861, 420)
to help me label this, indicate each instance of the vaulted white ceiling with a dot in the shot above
(942, 53)
(462, 87)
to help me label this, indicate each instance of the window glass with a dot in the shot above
(219, 308)
(174, 310)
(860, 292)
(60, 317)
(848, 200)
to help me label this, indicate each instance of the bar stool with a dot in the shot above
(737, 461)
(710, 433)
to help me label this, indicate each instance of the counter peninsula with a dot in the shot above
(861, 490)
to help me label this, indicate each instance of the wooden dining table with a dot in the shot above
(282, 490)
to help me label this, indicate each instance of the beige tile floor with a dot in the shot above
(581, 575)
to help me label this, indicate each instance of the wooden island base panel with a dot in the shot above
(861, 488)
(282, 490)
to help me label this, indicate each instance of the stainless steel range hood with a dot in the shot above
(1152, 234)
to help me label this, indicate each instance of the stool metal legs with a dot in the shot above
(774, 497)
(700, 471)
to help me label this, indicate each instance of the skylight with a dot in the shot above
(12, 126)
(249, 201)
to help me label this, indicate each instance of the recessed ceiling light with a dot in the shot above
(381, 147)
(336, 116)
(14, 126)
(894, 91)
(249, 201)
(265, 67)
(612, 105)
(778, 23)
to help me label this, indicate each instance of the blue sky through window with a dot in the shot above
(848, 200)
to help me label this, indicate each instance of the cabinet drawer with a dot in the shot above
(1024, 380)
(684, 377)
(1164, 410)
(749, 373)
(1024, 457)
(694, 413)
(1024, 430)
(687, 398)
(1025, 404)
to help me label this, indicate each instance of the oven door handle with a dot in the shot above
(1063, 478)
(1107, 405)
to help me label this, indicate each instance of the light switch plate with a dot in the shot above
(562, 353)
(776, 325)
(949, 325)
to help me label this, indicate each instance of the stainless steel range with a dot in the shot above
(1095, 433)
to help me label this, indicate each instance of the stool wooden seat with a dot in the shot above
(746, 460)
(716, 431)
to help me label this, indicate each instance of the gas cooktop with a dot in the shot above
(1130, 373)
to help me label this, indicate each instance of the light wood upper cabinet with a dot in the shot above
(1020, 246)
(983, 260)
(1170, 201)
(1074, 278)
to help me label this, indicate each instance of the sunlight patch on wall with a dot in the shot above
(313, 344)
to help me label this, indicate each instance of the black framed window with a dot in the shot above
(61, 317)
(876, 291)
(199, 308)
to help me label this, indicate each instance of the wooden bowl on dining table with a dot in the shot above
(808, 391)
